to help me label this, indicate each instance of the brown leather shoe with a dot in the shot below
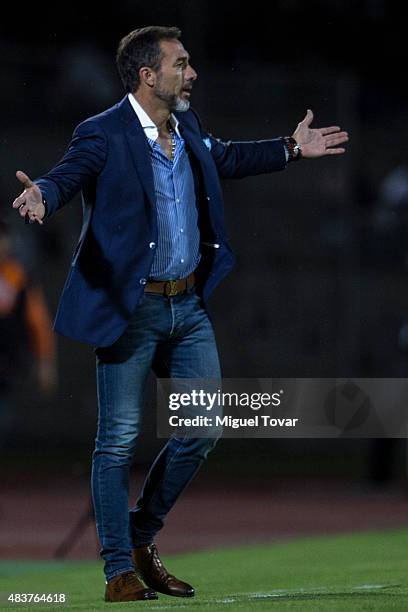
(155, 575)
(127, 587)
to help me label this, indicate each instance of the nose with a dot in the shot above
(191, 74)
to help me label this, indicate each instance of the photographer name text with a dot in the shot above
(232, 422)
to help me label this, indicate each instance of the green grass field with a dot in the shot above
(353, 572)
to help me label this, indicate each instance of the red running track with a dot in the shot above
(37, 515)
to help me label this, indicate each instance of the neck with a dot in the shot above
(158, 112)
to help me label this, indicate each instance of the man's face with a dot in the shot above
(175, 77)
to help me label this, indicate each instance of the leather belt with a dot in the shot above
(170, 288)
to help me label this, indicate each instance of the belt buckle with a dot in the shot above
(173, 288)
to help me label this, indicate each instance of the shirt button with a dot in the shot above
(208, 197)
(181, 260)
(152, 245)
(177, 200)
(142, 281)
(181, 230)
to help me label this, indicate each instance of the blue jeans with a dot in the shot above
(174, 336)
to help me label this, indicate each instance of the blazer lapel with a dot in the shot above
(201, 153)
(139, 148)
(193, 142)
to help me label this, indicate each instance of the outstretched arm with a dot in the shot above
(84, 159)
(240, 159)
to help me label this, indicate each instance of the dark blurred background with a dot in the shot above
(320, 287)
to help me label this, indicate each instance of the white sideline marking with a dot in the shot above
(317, 591)
(276, 593)
(369, 587)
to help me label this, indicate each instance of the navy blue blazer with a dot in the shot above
(109, 161)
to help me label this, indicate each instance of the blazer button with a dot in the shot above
(152, 245)
(142, 281)
(208, 198)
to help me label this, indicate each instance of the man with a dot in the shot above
(151, 250)
(25, 332)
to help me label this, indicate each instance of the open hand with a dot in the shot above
(316, 142)
(30, 202)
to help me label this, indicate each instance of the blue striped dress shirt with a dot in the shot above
(178, 248)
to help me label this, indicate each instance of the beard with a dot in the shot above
(173, 101)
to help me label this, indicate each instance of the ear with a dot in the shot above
(147, 76)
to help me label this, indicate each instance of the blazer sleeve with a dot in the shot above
(84, 159)
(240, 159)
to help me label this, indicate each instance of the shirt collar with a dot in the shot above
(150, 128)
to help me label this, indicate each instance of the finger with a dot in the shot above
(339, 135)
(337, 139)
(24, 178)
(22, 211)
(329, 130)
(19, 201)
(29, 218)
(308, 117)
(34, 218)
(336, 151)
